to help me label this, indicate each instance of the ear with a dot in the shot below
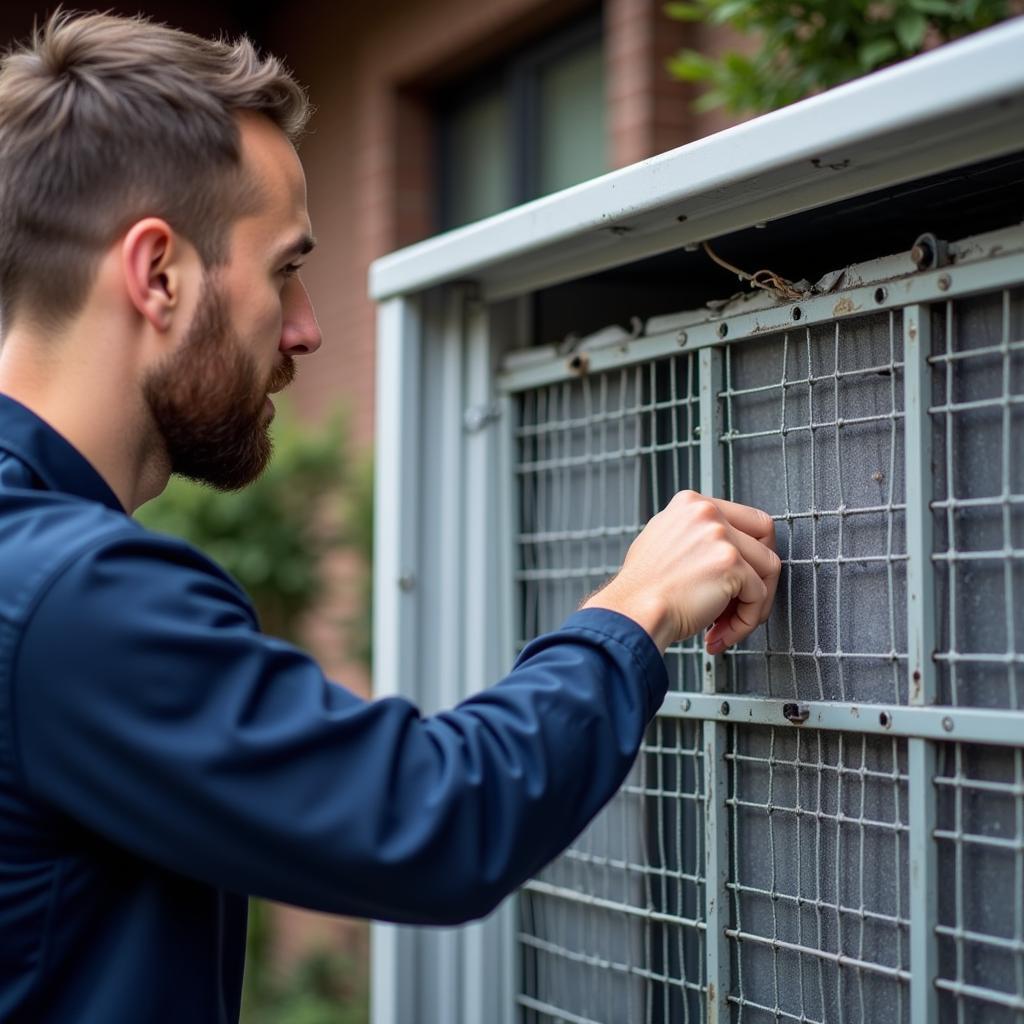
(153, 260)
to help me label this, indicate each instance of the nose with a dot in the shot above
(300, 332)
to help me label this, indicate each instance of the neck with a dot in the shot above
(81, 384)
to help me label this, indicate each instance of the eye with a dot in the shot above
(291, 269)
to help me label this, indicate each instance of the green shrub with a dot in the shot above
(806, 47)
(271, 536)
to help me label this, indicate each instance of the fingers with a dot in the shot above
(751, 521)
(764, 561)
(752, 532)
(742, 615)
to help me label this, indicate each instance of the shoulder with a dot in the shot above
(67, 551)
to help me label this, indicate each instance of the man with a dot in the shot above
(160, 758)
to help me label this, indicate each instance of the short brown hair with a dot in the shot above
(105, 120)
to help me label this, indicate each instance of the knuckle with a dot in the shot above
(715, 533)
(706, 511)
(685, 497)
(728, 556)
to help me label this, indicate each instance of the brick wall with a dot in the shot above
(370, 160)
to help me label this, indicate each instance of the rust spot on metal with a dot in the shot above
(843, 306)
(822, 165)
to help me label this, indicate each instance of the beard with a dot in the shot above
(208, 402)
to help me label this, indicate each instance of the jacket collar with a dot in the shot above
(52, 458)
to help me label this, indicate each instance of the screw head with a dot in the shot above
(947, 723)
(725, 707)
(944, 282)
(922, 255)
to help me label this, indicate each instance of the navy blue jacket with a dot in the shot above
(161, 759)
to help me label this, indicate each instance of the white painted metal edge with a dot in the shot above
(815, 151)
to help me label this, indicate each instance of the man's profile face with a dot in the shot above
(209, 398)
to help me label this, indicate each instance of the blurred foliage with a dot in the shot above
(324, 986)
(271, 536)
(806, 47)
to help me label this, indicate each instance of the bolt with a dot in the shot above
(725, 707)
(723, 330)
(944, 282)
(796, 713)
(406, 582)
(681, 338)
(885, 719)
(922, 255)
(947, 724)
(880, 294)
(686, 703)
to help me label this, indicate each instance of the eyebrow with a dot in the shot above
(301, 246)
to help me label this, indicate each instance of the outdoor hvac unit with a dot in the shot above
(826, 824)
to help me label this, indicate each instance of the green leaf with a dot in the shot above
(691, 66)
(877, 52)
(711, 100)
(910, 29)
(941, 8)
(731, 10)
(686, 12)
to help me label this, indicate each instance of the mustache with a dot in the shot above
(283, 375)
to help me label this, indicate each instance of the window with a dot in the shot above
(531, 125)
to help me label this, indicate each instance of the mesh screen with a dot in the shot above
(819, 876)
(978, 421)
(817, 823)
(814, 435)
(980, 838)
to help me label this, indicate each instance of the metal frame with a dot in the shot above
(716, 841)
(954, 106)
(700, 329)
(924, 725)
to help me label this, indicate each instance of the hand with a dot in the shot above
(699, 562)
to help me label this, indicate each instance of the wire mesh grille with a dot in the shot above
(596, 458)
(819, 876)
(980, 838)
(817, 886)
(612, 930)
(978, 421)
(814, 436)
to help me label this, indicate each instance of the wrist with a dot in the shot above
(647, 610)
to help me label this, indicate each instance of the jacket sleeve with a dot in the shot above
(151, 710)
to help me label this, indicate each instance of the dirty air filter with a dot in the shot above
(883, 416)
